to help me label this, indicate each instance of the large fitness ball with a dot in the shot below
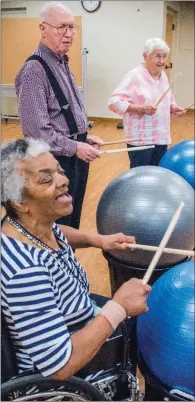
(166, 333)
(181, 159)
(141, 202)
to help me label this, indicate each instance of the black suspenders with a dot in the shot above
(64, 105)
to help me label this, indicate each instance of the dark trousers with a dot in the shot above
(151, 156)
(77, 172)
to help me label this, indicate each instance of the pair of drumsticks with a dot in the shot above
(163, 243)
(112, 151)
(162, 246)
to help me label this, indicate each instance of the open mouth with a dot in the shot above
(64, 198)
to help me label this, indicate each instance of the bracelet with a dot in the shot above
(114, 313)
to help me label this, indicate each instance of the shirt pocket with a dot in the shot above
(53, 104)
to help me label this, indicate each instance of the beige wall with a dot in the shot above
(114, 36)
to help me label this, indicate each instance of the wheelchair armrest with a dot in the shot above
(24, 374)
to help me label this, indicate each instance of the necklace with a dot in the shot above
(31, 237)
(80, 276)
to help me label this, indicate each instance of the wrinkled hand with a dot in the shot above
(178, 111)
(149, 109)
(116, 241)
(132, 296)
(86, 152)
(96, 142)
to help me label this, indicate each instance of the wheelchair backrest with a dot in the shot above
(8, 358)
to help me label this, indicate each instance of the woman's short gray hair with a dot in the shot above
(52, 5)
(13, 182)
(154, 44)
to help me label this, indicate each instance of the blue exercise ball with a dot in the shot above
(181, 159)
(141, 202)
(166, 333)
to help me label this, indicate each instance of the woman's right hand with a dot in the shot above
(148, 109)
(132, 296)
(141, 109)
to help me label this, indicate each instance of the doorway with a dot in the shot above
(170, 40)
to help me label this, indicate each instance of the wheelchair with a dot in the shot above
(111, 375)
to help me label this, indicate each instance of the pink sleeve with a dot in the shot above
(122, 96)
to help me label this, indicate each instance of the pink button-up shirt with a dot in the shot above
(139, 87)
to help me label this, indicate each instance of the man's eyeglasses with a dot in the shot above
(159, 56)
(63, 29)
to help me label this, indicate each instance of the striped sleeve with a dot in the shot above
(37, 319)
(122, 95)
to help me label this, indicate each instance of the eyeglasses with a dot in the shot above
(159, 56)
(63, 29)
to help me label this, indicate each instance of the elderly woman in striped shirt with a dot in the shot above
(135, 99)
(45, 292)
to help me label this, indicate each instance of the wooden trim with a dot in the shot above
(114, 120)
(104, 119)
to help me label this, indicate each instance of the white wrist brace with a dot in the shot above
(114, 313)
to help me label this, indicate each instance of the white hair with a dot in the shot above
(13, 182)
(154, 44)
(52, 5)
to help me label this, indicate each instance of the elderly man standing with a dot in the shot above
(50, 105)
(135, 99)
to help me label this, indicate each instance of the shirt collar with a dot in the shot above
(42, 49)
(146, 73)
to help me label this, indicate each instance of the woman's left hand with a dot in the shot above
(116, 241)
(178, 111)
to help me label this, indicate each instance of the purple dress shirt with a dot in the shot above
(39, 111)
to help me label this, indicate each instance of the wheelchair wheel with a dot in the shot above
(37, 388)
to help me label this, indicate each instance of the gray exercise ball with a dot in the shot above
(141, 202)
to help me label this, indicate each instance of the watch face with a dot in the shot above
(91, 6)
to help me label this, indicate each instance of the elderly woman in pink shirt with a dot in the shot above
(135, 99)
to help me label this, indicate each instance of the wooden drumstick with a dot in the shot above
(120, 141)
(192, 104)
(112, 151)
(188, 253)
(168, 89)
(162, 244)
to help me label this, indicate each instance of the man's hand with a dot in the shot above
(116, 241)
(96, 142)
(132, 296)
(178, 111)
(86, 152)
